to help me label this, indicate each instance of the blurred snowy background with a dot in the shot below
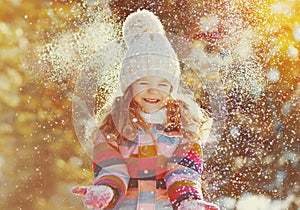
(240, 58)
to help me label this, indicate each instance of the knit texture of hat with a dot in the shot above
(149, 51)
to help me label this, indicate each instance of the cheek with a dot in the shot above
(165, 95)
(137, 98)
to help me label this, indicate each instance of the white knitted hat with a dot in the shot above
(149, 52)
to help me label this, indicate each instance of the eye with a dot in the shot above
(143, 83)
(163, 85)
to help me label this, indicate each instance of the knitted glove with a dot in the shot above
(97, 197)
(197, 205)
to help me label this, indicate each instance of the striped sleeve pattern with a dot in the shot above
(110, 168)
(184, 174)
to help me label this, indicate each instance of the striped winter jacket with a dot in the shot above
(146, 176)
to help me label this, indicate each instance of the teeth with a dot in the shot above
(151, 100)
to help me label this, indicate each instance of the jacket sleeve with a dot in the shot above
(109, 168)
(183, 179)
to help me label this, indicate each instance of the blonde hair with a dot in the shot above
(123, 120)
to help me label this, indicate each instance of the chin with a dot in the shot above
(149, 111)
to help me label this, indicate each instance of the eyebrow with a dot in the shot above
(164, 80)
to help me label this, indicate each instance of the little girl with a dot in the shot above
(147, 152)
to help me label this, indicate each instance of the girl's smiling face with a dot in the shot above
(150, 93)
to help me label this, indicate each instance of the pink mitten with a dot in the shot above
(197, 205)
(95, 196)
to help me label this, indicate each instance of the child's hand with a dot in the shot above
(97, 197)
(197, 205)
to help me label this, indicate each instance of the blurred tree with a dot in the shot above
(40, 156)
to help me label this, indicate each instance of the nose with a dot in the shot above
(152, 91)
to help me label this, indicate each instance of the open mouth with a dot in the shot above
(151, 100)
